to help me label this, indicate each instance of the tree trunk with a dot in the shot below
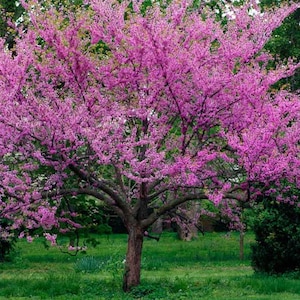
(187, 232)
(157, 226)
(242, 234)
(132, 272)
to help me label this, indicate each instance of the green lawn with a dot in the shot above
(206, 268)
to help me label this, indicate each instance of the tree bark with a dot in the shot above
(187, 232)
(132, 272)
(157, 226)
(242, 234)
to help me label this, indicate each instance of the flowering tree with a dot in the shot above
(140, 108)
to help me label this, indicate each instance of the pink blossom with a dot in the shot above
(143, 113)
(29, 238)
(51, 238)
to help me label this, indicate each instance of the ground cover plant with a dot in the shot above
(206, 268)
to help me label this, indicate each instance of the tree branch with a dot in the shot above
(123, 206)
(176, 202)
(169, 206)
(84, 191)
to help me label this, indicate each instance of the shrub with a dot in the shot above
(88, 264)
(6, 246)
(7, 242)
(277, 235)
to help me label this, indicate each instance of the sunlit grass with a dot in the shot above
(206, 268)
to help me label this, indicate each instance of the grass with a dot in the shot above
(206, 268)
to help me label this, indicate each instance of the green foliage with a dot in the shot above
(67, 4)
(6, 247)
(9, 10)
(277, 234)
(285, 43)
(7, 244)
(90, 214)
(103, 229)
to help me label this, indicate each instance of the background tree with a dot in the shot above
(285, 43)
(138, 106)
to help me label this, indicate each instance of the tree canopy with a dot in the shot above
(141, 108)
